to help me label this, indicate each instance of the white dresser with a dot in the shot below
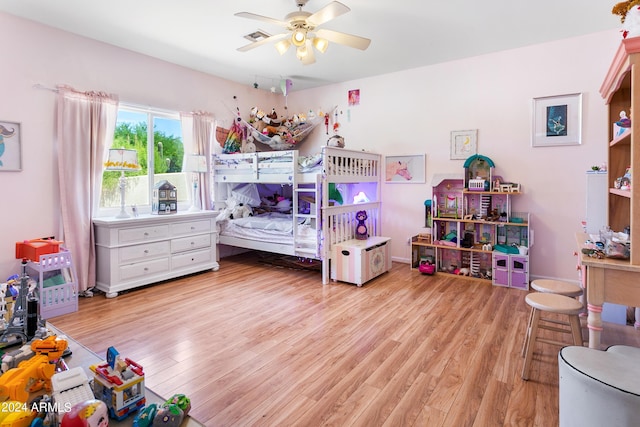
(134, 252)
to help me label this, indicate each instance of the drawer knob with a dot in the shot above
(146, 251)
(146, 234)
(146, 269)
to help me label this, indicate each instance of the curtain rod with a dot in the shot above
(42, 87)
(131, 105)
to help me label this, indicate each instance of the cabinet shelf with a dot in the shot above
(495, 193)
(621, 193)
(620, 140)
(620, 92)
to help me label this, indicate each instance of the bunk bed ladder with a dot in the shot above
(306, 213)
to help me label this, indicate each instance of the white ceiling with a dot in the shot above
(204, 34)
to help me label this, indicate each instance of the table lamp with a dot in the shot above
(122, 160)
(196, 164)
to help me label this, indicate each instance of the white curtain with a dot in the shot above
(85, 124)
(198, 133)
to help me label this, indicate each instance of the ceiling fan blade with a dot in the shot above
(263, 41)
(262, 18)
(344, 38)
(327, 13)
(310, 57)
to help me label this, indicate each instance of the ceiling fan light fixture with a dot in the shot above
(301, 52)
(282, 46)
(298, 37)
(320, 44)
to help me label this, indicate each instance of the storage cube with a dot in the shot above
(358, 261)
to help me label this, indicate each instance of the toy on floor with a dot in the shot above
(426, 266)
(170, 413)
(361, 229)
(120, 384)
(35, 373)
(17, 414)
(69, 388)
(90, 413)
(25, 322)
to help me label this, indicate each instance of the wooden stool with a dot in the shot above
(559, 287)
(550, 286)
(550, 303)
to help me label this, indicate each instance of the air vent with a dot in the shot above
(257, 36)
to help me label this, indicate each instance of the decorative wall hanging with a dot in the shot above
(557, 120)
(464, 143)
(354, 97)
(10, 147)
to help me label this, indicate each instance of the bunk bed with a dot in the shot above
(302, 205)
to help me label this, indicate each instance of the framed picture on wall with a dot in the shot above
(409, 169)
(464, 144)
(10, 147)
(557, 120)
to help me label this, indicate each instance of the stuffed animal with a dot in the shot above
(241, 210)
(629, 12)
(234, 210)
(248, 146)
(336, 141)
(361, 229)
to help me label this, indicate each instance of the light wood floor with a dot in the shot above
(254, 344)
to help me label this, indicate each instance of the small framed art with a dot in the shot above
(409, 169)
(464, 144)
(10, 147)
(557, 120)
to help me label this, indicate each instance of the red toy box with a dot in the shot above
(32, 249)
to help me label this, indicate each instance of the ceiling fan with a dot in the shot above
(303, 32)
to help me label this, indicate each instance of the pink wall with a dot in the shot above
(414, 111)
(410, 112)
(46, 56)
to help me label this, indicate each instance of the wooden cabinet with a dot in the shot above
(621, 91)
(475, 233)
(139, 251)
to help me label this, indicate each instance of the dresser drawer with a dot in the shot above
(142, 269)
(191, 258)
(136, 253)
(189, 243)
(143, 234)
(191, 227)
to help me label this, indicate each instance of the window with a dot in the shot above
(157, 137)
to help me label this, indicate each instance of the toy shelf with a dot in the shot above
(57, 284)
(475, 233)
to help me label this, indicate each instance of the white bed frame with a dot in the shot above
(333, 224)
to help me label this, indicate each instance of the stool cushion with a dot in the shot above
(598, 388)
(553, 303)
(556, 287)
(625, 350)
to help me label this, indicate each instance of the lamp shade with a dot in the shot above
(320, 44)
(196, 163)
(121, 159)
(282, 46)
